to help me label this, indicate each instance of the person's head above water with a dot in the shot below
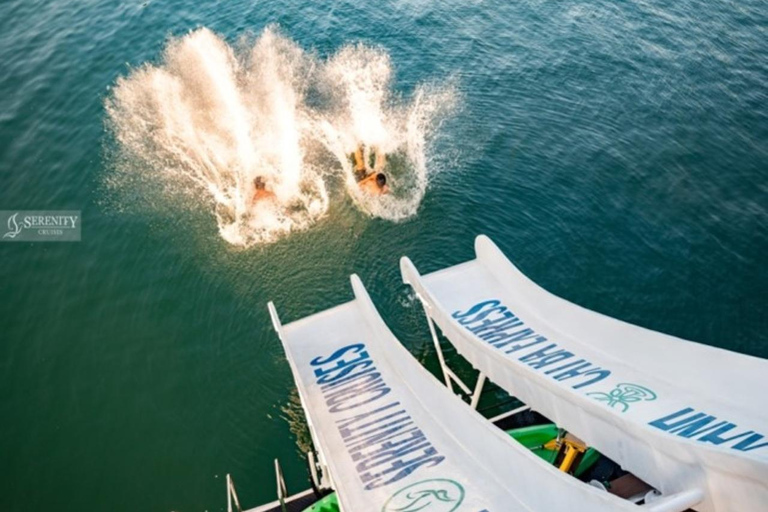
(381, 180)
(258, 183)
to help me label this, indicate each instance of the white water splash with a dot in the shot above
(199, 127)
(363, 110)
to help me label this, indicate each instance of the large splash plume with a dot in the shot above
(197, 128)
(362, 109)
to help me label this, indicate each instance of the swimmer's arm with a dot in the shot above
(368, 178)
(359, 161)
(381, 161)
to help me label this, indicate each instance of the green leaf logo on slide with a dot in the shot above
(436, 495)
(625, 395)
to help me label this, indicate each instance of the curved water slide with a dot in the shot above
(390, 437)
(680, 415)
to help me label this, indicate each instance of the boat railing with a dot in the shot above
(282, 493)
(284, 502)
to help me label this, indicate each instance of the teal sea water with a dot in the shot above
(617, 152)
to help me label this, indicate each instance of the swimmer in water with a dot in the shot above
(374, 184)
(374, 181)
(260, 190)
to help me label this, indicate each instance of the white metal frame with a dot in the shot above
(232, 495)
(450, 376)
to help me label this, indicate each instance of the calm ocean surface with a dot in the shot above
(616, 151)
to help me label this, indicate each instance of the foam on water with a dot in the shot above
(363, 109)
(194, 130)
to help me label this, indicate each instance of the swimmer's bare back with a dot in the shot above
(262, 195)
(260, 190)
